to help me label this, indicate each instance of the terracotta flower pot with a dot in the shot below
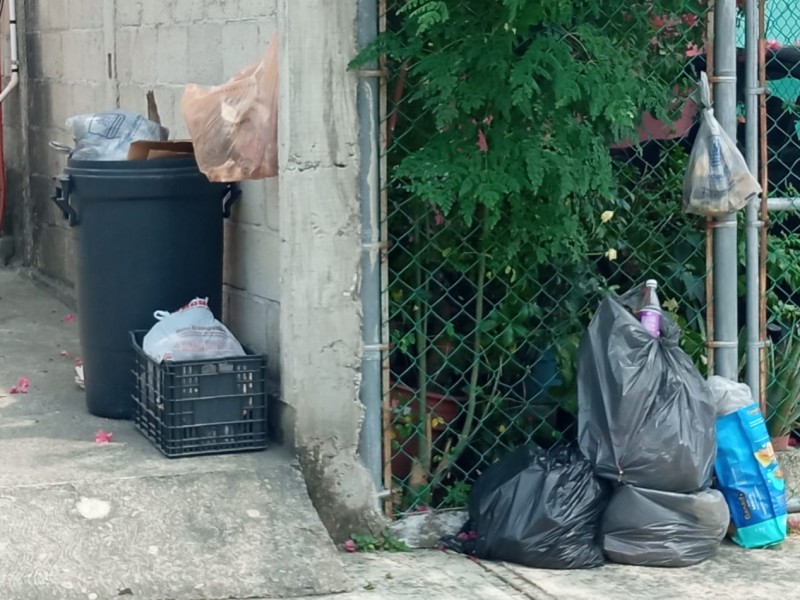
(779, 444)
(444, 409)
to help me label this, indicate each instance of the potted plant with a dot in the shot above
(783, 393)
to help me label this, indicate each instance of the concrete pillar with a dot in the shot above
(320, 252)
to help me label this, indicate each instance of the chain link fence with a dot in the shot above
(781, 149)
(501, 245)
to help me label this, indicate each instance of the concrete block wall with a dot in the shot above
(84, 56)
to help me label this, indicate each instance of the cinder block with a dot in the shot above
(84, 55)
(256, 323)
(132, 97)
(55, 15)
(44, 211)
(39, 105)
(88, 98)
(86, 15)
(43, 159)
(240, 47)
(205, 55)
(252, 260)
(221, 10)
(70, 260)
(188, 11)
(251, 208)
(172, 60)
(257, 8)
(172, 98)
(51, 50)
(144, 55)
(125, 50)
(273, 204)
(50, 251)
(158, 12)
(59, 98)
(266, 27)
(129, 13)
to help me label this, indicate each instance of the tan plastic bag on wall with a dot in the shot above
(234, 126)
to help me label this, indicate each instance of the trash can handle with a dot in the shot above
(61, 199)
(232, 193)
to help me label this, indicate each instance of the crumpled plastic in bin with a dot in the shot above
(661, 529)
(108, 135)
(539, 508)
(646, 416)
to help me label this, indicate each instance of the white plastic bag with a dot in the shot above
(729, 395)
(108, 135)
(717, 181)
(190, 333)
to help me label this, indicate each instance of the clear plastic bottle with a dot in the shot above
(650, 314)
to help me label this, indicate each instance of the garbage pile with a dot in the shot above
(233, 127)
(638, 487)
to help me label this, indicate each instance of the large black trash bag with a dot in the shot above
(662, 529)
(540, 508)
(646, 416)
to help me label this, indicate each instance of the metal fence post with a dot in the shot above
(725, 246)
(752, 222)
(371, 443)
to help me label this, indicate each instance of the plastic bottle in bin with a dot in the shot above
(650, 314)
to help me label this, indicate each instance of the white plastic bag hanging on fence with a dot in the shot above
(717, 181)
(190, 333)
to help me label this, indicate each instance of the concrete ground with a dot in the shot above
(82, 521)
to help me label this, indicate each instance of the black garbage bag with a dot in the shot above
(539, 508)
(646, 416)
(663, 529)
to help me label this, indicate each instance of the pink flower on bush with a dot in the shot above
(350, 546)
(483, 144)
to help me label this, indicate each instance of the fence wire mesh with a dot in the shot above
(781, 148)
(535, 161)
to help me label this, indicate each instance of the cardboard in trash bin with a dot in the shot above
(150, 150)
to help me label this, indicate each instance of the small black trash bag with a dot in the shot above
(539, 508)
(663, 529)
(646, 416)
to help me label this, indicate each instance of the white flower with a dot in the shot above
(611, 254)
(607, 216)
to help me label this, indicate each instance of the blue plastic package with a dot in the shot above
(749, 477)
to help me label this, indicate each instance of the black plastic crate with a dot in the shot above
(187, 408)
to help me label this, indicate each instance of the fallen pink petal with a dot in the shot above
(64, 353)
(103, 437)
(22, 386)
(69, 318)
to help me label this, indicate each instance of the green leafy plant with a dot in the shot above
(783, 393)
(509, 215)
(385, 541)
